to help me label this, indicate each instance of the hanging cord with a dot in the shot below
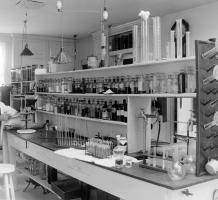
(158, 134)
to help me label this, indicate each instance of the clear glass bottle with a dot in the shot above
(140, 83)
(175, 83)
(121, 85)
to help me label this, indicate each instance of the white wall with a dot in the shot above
(202, 21)
(84, 49)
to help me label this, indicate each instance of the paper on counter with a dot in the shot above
(80, 155)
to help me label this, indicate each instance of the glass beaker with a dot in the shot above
(118, 154)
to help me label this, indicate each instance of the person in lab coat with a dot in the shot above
(7, 112)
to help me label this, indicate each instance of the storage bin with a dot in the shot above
(67, 189)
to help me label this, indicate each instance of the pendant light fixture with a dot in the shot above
(26, 51)
(104, 18)
(62, 57)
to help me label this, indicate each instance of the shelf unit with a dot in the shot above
(21, 168)
(135, 128)
(155, 95)
(85, 118)
(128, 68)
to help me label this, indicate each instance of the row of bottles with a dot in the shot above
(25, 73)
(181, 82)
(92, 108)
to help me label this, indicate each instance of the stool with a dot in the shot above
(7, 170)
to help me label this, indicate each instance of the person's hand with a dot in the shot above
(4, 117)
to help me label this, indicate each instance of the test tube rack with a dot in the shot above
(207, 104)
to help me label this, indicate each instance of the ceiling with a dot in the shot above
(83, 16)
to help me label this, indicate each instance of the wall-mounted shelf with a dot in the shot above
(164, 95)
(184, 61)
(85, 118)
(123, 51)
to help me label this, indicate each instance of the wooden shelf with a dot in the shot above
(124, 67)
(123, 51)
(16, 82)
(164, 95)
(85, 118)
(44, 183)
(27, 96)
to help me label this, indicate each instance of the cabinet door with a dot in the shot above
(202, 191)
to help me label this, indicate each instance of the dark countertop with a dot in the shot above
(148, 175)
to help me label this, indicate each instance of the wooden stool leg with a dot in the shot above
(6, 185)
(11, 187)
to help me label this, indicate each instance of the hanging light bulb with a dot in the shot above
(59, 5)
(105, 13)
(62, 56)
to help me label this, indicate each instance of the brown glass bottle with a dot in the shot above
(114, 111)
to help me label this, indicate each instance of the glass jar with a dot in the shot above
(175, 83)
(121, 86)
(131, 85)
(176, 171)
(69, 85)
(191, 80)
(163, 83)
(140, 79)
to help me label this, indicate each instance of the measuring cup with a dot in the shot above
(214, 76)
(213, 123)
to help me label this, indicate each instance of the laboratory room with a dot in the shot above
(108, 100)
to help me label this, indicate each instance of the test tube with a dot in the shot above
(179, 37)
(144, 35)
(188, 51)
(172, 45)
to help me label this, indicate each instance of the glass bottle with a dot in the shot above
(131, 85)
(113, 84)
(118, 112)
(191, 80)
(68, 106)
(114, 111)
(175, 83)
(92, 109)
(69, 85)
(105, 111)
(110, 105)
(73, 85)
(94, 86)
(140, 83)
(97, 107)
(176, 171)
(121, 112)
(125, 110)
(121, 85)
(127, 85)
(116, 85)
(169, 84)
(105, 82)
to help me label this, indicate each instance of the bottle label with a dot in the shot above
(122, 112)
(125, 114)
(118, 112)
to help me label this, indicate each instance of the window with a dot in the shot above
(2, 63)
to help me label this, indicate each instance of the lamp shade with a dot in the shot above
(62, 57)
(26, 51)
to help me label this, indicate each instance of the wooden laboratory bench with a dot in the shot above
(126, 183)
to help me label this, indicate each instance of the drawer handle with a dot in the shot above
(187, 193)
